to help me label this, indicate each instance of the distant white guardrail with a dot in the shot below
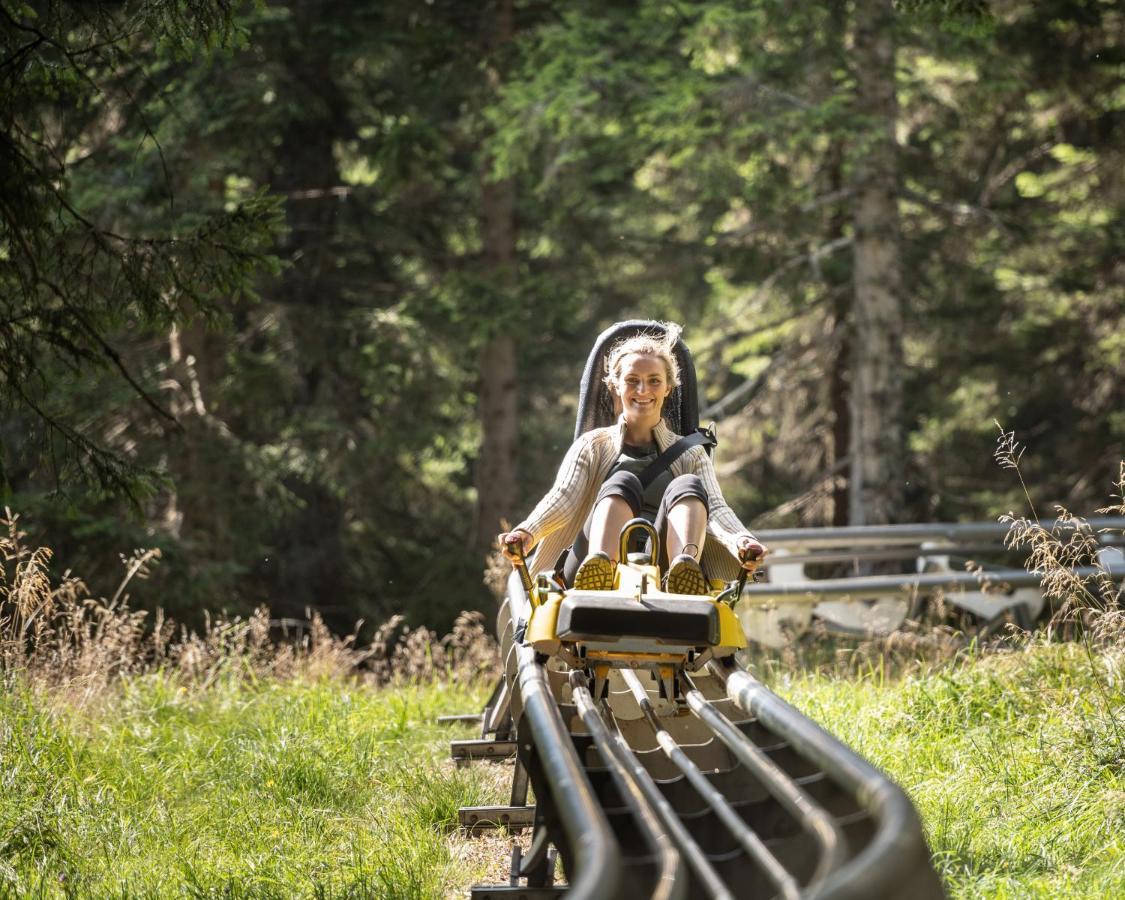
(774, 611)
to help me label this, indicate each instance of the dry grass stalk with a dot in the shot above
(58, 636)
(916, 646)
(497, 571)
(1058, 552)
(1089, 604)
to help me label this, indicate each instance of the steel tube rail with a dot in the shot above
(743, 833)
(866, 535)
(894, 585)
(814, 818)
(898, 551)
(886, 860)
(671, 884)
(614, 744)
(597, 857)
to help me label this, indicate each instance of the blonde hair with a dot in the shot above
(647, 343)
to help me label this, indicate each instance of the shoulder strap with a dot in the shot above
(674, 452)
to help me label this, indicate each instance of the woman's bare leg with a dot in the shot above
(687, 528)
(609, 518)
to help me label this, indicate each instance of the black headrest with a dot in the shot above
(595, 405)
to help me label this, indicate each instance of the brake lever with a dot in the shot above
(521, 566)
(743, 573)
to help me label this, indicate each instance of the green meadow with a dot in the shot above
(1015, 761)
(282, 789)
(327, 788)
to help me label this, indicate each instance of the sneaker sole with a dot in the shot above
(686, 579)
(594, 575)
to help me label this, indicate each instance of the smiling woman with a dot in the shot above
(629, 469)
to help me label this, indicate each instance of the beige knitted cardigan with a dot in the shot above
(559, 516)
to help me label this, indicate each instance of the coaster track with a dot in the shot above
(725, 792)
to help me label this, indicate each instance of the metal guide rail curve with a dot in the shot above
(868, 580)
(722, 790)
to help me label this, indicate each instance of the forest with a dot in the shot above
(298, 293)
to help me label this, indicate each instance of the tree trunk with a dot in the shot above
(195, 364)
(876, 382)
(310, 566)
(839, 398)
(838, 278)
(496, 467)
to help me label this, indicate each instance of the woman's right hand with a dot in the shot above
(751, 552)
(512, 542)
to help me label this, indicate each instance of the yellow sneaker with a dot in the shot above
(595, 573)
(685, 577)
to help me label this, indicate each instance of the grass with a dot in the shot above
(140, 759)
(1015, 761)
(227, 764)
(275, 789)
(324, 787)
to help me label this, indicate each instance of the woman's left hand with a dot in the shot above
(751, 552)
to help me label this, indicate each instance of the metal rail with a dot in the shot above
(671, 881)
(879, 553)
(999, 591)
(869, 535)
(614, 745)
(895, 585)
(753, 845)
(890, 860)
(596, 856)
(766, 805)
(812, 816)
(889, 863)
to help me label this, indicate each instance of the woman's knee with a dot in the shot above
(686, 489)
(623, 486)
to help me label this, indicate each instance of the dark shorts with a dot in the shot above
(627, 486)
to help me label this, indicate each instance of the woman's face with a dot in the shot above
(642, 387)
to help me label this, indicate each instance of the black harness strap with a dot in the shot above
(567, 563)
(674, 452)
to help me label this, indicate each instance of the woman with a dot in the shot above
(599, 487)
